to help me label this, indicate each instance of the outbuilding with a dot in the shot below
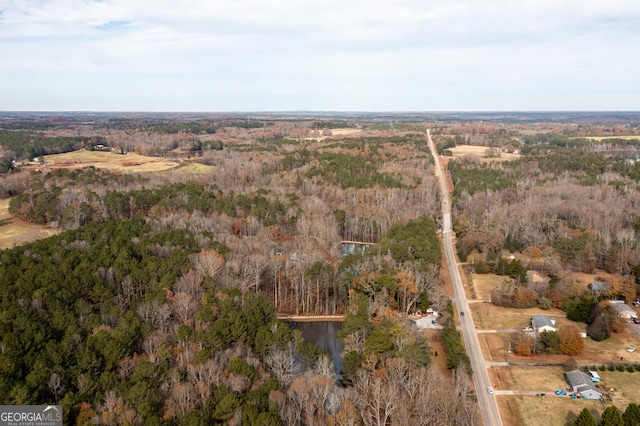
(582, 385)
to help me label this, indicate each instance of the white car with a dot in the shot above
(490, 390)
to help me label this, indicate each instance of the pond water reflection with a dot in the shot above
(325, 335)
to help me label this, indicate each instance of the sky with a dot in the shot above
(319, 55)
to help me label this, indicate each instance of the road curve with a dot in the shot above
(487, 402)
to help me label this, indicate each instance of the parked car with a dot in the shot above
(636, 320)
(631, 349)
(560, 392)
(490, 390)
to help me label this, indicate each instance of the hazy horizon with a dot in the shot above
(351, 56)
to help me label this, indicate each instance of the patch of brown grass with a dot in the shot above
(464, 150)
(626, 386)
(543, 379)
(550, 411)
(485, 283)
(14, 232)
(489, 316)
(129, 163)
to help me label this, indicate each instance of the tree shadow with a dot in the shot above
(5, 222)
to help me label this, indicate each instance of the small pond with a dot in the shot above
(325, 335)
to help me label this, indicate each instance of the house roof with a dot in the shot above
(596, 286)
(540, 320)
(580, 381)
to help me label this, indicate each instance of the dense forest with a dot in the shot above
(157, 302)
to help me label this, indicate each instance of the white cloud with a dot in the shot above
(349, 54)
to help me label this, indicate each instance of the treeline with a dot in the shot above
(284, 245)
(143, 323)
(199, 127)
(471, 177)
(29, 145)
(349, 171)
(611, 416)
(566, 208)
(123, 324)
(55, 198)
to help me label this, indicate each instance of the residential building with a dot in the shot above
(541, 323)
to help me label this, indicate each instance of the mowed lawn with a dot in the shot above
(14, 232)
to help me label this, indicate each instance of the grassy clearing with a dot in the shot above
(544, 379)
(626, 387)
(462, 150)
(550, 411)
(343, 132)
(614, 349)
(193, 169)
(494, 346)
(489, 316)
(483, 284)
(14, 232)
(604, 138)
(129, 163)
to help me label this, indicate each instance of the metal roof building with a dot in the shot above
(581, 384)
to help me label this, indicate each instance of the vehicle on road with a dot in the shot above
(490, 390)
(461, 313)
(560, 392)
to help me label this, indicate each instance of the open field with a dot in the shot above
(626, 385)
(129, 163)
(192, 169)
(462, 150)
(556, 410)
(612, 350)
(533, 410)
(550, 411)
(530, 409)
(335, 132)
(604, 138)
(14, 232)
(344, 132)
(489, 316)
(483, 284)
(543, 379)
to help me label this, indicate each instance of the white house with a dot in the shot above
(623, 310)
(541, 323)
(581, 384)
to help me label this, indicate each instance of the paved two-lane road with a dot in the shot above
(488, 404)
